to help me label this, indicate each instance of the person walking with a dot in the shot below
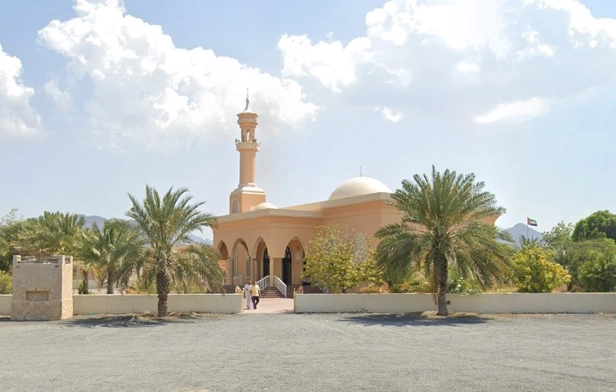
(249, 303)
(255, 291)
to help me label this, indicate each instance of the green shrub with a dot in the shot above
(534, 272)
(6, 283)
(142, 286)
(458, 285)
(598, 273)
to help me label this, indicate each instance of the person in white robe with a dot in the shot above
(248, 297)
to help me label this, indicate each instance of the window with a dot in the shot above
(361, 248)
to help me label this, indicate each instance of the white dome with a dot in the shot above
(264, 206)
(358, 186)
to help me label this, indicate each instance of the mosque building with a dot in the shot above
(261, 242)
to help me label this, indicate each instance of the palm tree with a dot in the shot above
(191, 266)
(166, 223)
(53, 233)
(525, 241)
(445, 224)
(197, 265)
(108, 249)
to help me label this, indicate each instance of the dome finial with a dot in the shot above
(360, 172)
(247, 101)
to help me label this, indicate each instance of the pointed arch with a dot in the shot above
(257, 245)
(223, 251)
(293, 262)
(239, 260)
(261, 256)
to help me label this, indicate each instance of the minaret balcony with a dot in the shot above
(252, 145)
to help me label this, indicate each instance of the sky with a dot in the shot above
(100, 97)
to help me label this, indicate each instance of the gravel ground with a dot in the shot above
(311, 352)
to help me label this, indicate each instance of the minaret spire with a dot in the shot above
(247, 101)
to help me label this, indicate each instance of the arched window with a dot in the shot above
(361, 248)
(235, 206)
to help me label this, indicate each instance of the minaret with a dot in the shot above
(247, 195)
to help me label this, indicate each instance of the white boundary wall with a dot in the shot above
(138, 303)
(342, 303)
(5, 304)
(486, 303)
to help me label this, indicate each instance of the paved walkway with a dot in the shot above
(273, 305)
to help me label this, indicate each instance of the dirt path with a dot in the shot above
(311, 352)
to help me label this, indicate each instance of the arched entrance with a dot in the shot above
(240, 264)
(224, 260)
(287, 267)
(265, 263)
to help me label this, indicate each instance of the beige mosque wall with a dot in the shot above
(365, 218)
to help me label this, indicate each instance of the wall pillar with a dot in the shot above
(271, 271)
(42, 288)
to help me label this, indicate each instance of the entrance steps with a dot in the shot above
(271, 292)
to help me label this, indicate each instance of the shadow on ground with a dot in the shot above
(415, 320)
(134, 320)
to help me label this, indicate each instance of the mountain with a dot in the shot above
(90, 220)
(520, 230)
(93, 219)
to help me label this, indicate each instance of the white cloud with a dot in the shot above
(148, 91)
(535, 46)
(465, 61)
(329, 62)
(62, 98)
(583, 28)
(459, 23)
(17, 117)
(513, 112)
(466, 67)
(389, 114)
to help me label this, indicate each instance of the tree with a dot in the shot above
(598, 272)
(6, 283)
(445, 225)
(10, 227)
(166, 223)
(535, 272)
(108, 249)
(559, 236)
(600, 224)
(338, 259)
(51, 233)
(575, 254)
(524, 241)
(194, 268)
(401, 283)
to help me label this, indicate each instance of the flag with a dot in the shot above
(531, 222)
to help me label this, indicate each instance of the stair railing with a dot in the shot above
(262, 283)
(280, 286)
